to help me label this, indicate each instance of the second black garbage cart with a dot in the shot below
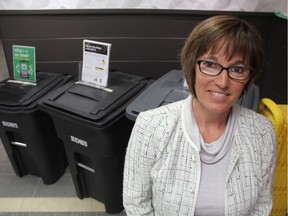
(95, 131)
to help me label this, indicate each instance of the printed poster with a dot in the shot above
(24, 63)
(95, 62)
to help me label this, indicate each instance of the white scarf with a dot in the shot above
(212, 152)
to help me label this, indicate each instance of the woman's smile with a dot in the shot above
(221, 96)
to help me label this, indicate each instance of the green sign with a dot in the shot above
(24, 63)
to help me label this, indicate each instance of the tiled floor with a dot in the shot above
(29, 196)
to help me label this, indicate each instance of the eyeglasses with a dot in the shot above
(214, 69)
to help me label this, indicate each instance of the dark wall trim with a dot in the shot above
(145, 42)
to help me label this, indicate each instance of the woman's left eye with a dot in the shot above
(237, 69)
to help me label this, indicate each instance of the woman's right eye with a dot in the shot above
(209, 64)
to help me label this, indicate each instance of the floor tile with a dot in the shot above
(6, 169)
(59, 205)
(14, 186)
(10, 204)
(64, 187)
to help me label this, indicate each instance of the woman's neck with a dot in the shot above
(211, 125)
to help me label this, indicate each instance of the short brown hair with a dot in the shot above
(240, 38)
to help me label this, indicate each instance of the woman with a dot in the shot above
(205, 155)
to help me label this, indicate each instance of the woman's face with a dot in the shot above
(218, 93)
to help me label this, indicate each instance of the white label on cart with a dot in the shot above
(79, 141)
(9, 124)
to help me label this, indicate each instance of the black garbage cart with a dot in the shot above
(27, 133)
(95, 131)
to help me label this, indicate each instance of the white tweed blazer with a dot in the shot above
(162, 165)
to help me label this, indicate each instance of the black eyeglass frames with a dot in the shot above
(214, 69)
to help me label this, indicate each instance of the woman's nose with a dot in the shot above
(222, 80)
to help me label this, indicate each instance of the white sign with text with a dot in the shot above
(95, 68)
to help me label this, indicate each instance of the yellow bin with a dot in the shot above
(278, 115)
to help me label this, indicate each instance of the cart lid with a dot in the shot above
(22, 96)
(167, 89)
(92, 103)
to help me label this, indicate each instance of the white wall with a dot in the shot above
(230, 5)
